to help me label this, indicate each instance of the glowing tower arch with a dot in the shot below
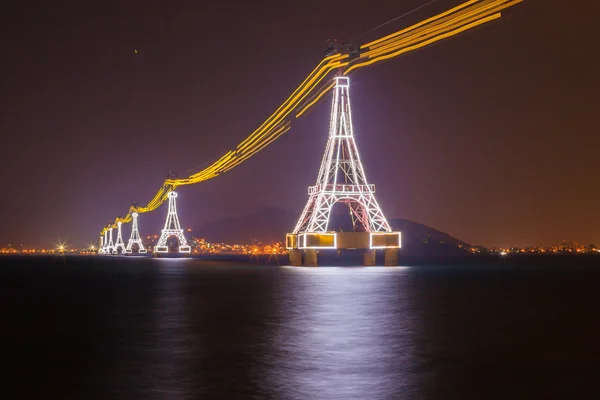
(110, 247)
(119, 244)
(104, 242)
(172, 228)
(342, 178)
(135, 237)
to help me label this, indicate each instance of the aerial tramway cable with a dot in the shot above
(463, 17)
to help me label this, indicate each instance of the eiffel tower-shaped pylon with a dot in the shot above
(135, 237)
(172, 228)
(110, 246)
(342, 178)
(119, 244)
(104, 241)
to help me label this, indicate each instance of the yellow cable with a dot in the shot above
(422, 44)
(382, 49)
(303, 110)
(452, 10)
(328, 60)
(437, 25)
(324, 71)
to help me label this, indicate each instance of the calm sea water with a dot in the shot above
(126, 328)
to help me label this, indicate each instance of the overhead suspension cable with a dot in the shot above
(463, 17)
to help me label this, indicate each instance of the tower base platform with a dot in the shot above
(304, 248)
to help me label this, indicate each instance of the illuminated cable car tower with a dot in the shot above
(104, 242)
(135, 237)
(119, 244)
(110, 246)
(172, 228)
(342, 178)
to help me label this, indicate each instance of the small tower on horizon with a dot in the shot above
(105, 242)
(119, 244)
(110, 246)
(135, 237)
(172, 228)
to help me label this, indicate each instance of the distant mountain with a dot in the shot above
(421, 240)
(270, 224)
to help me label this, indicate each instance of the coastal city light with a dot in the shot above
(59, 247)
(201, 246)
(198, 246)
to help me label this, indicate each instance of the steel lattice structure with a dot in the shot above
(135, 237)
(172, 228)
(119, 244)
(104, 241)
(101, 247)
(108, 249)
(341, 176)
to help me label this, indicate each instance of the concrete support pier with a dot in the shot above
(310, 258)
(369, 258)
(304, 247)
(390, 257)
(295, 257)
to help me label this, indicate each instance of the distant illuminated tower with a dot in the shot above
(110, 246)
(119, 244)
(135, 237)
(101, 247)
(342, 178)
(172, 228)
(105, 242)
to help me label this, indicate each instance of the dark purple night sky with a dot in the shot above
(490, 136)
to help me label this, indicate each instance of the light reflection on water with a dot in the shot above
(175, 342)
(344, 333)
(140, 328)
(328, 332)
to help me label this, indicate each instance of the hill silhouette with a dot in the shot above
(270, 224)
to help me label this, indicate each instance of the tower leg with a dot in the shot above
(295, 257)
(310, 258)
(369, 258)
(391, 257)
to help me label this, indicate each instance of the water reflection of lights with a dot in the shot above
(344, 333)
(172, 375)
(325, 270)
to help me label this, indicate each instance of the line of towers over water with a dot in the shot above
(172, 228)
(341, 179)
